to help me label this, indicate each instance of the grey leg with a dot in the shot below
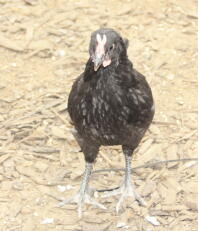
(83, 197)
(127, 188)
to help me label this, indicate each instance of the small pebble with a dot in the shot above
(61, 188)
(18, 185)
(13, 64)
(60, 53)
(122, 225)
(47, 221)
(170, 77)
(152, 220)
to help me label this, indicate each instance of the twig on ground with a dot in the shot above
(164, 123)
(59, 116)
(185, 137)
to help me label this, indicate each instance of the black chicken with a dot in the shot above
(110, 104)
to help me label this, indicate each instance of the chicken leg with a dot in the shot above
(127, 188)
(83, 197)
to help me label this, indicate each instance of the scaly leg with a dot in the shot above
(83, 197)
(127, 188)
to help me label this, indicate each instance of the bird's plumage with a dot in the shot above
(110, 103)
(113, 106)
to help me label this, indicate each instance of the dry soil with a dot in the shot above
(43, 45)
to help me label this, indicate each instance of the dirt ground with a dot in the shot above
(43, 45)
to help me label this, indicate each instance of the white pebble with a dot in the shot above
(60, 53)
(47, 221)
(68, 187)
(96, 194)
(13, 64)
(170, 77)
(152, 220)
(61, 188)
(122, 225)
(190, 164)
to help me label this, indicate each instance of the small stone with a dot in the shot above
(170, 77)
(152, 220)
(122, 225)
(60, 53)
(61, 188)
(13, 64)
(47, 221)
(17, 185)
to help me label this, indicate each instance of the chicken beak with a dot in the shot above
(98, 60)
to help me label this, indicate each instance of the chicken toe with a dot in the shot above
(80, 199)
(83, 196)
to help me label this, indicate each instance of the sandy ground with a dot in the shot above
(43, 45)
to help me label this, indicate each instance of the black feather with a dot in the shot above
(112, 106)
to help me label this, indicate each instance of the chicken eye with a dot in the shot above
(111, 47)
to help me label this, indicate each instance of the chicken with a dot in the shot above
(110, 104)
